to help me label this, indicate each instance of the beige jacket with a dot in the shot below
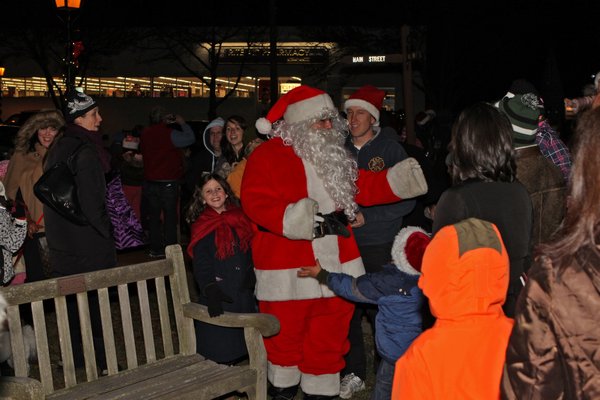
(24, 170)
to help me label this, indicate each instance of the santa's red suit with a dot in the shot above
(280, 193)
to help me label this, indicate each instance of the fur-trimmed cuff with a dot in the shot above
(406, 179)
(299, 219)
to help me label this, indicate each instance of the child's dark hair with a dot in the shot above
(197, 205)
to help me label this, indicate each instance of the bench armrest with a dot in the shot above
(267, 324)
(20, 388)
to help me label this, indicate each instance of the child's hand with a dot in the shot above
(310, 271)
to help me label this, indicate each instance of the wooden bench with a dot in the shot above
(150, 298)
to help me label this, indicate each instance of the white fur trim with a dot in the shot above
(299, 219)
(406, 179)
(282, 376)
(316, 189)
(263, 125)
(399, 249)
(308, 108)
(324, 384)
(284, 284)
(362, 104)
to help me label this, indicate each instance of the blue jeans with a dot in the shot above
(383, 381)
(161, 199)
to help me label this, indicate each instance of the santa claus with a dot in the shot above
(301, 188)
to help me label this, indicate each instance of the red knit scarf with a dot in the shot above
(223, 224)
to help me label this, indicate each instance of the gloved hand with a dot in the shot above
(332, 224)
(215, 296)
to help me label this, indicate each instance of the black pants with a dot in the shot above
(161, 199)
(33, 260)
(374, 258)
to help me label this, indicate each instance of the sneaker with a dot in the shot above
(350, 385)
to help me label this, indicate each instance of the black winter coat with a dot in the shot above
(235, 277)
(74, 248)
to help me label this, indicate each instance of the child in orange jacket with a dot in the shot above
(465, 276)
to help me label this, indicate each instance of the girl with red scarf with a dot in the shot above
(222, 266)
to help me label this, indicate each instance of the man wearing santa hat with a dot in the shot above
(301, 188)
(375, 227)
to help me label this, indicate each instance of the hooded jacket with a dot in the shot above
(206, 140)
(465, 275)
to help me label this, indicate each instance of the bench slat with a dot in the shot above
(48, 289)
(127, 324)
(146, 316)
(129, 377)
(66, 350)
(41, 337)
(165, 320)
(168, 378)
(16, 340)
(108, 331)
(89, 354)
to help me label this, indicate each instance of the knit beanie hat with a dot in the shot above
(523, 111)
(408, 249)
(78, 103)
(368, 97)
(299, 104)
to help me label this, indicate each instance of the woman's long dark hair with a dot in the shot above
(580, 228)
(197, 205)
(482, 146)
(227, 150)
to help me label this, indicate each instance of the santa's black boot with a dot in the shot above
(287, 393)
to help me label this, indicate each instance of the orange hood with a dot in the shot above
(465, 271)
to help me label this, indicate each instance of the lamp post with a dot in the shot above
(68, 6)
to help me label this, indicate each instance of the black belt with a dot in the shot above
(334, 223)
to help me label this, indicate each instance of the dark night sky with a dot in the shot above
(492, 41)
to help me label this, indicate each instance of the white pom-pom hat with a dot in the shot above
(408, 249)
(299, 104)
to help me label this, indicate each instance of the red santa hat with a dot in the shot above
(408, 249)
(299, 104)
(368, 97)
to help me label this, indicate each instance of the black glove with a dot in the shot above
(333, 224)
(215, 296)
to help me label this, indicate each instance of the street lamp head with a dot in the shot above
(68, 4)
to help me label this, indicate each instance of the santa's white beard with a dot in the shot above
(324, 150)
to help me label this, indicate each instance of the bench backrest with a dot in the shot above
(140, 300)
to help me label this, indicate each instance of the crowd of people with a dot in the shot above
(482, 283)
